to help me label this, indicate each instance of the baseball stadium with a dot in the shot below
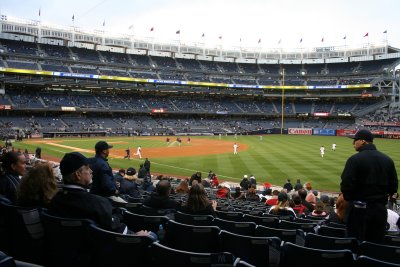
(194, 109)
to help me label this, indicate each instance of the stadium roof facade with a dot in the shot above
(36, 31)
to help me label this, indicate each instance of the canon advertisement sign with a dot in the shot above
(305, 131)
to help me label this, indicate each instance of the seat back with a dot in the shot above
(192, 238)
(193, 219)
(287, 235)
(364, 261)
(4, 246)
(332, 231)
(326, 242)
(259, 251)
(133, 207)
(230, 215)
(392, 240)
(6, 261)
(113, 249)
(170, 257)
(24, 232)
(65, 241)
(240, 228)
(306, 227)
(270, 221)
(292, 254)
(380, 252)
(241, 263)
(137, 222)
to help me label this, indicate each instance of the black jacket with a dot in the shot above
(156, 201)
(245, 184)
(129, 188)
(76, 202)
(8, 185)
(103, 178)
(369, 176)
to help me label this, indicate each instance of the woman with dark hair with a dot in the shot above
(198, 202)
(38, 186)
(13, 166)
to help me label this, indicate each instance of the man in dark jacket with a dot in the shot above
(288, 186)
(103, 178)
(146, 165)
(368, 178)
(74, 201)
(160, 199)
(245, 183)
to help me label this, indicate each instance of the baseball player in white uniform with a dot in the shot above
(333, 146)
(322, 150)
(235, 148)
(139, 152)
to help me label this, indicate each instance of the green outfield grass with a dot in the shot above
(273, 159)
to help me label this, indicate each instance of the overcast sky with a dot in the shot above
(246, 23)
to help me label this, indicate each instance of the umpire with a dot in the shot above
(368, 178)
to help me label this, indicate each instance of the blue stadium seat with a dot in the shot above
(364, 261)
(380, 252)
(292, 255)
(198, 220)
(326, 242)
(170, 257)
(192, 238)
(114, 249)
(65, 241)
(259, 251)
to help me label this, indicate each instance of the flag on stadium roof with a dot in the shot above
(220, 37)
(301, 40)
(202, 35)
(240, 39)
(39, 12)
(73, 17)
(345, 37)
(178, 32)
(259, 40)
(385, 31)
(366, 35)
(104, 23)
(280, 40)
(130, 27)
(322, 40)
(152, 29)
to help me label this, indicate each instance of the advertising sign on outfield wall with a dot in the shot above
(318, 131)
(345, 132)
(392, 135)
(305, 131)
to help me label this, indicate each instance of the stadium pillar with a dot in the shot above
(283, 98)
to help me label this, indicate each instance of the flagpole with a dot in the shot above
(204, 43)
(179, 48)
(283, 98)
(386, 42)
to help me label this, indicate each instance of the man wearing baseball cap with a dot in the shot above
(368, 178)
(74, 201)
(103, 178)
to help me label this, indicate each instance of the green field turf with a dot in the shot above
(274, 159)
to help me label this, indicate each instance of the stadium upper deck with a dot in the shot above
(70, 52)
